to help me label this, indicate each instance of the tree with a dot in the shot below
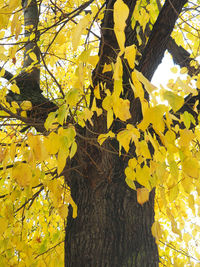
(89, 154)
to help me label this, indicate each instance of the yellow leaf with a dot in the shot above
(97, 92)
(124, 137)
(143, 176)
(118, 69)
(23, 114)
(73, 150)
(95, 108)
(137, 88)
(184, 70)
(153, 115)
(38, 148)
(121, 108)
(32, 55)
(61, 159)
(118, 88)
(175, 228)
(198, 81)
(3, 225)
(2, 71)
(175, 101)
(12, 151)
(74, 206)
(15, 89)
(142, 149)
(88, 115)
(72, 97)
(50, 120)
(174, 69)
(121, 12)
(63, 211)
(93, 60)
(26, 105)
(142, 195)
(15, 20)
(191, 203)
(107, 103)
(185, 87)
(109, 118)
(130, 54)
(69, 200)
(69, 133)
(186, 136)
(147, 84)
(103, 137)
(78, 31)
(187, 119)
(107, 68)
(18, 28)
(130, 183)
(191, 167)
(14, 104)
(120, 35)
(22, 174)
(156, 231)
(187, 184)
(52, 143)
(173, 193)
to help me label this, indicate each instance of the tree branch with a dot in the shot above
(7, 75)
(31, 18)
(159, 37)
(181, 57)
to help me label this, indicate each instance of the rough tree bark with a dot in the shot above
(112, 229)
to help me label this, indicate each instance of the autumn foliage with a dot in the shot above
(75, 95)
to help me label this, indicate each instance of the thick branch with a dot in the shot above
(159, 37)
(181, 57)
(109, 47)
(7, 75)
(31, 18)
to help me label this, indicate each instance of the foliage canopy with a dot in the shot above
(61, 45)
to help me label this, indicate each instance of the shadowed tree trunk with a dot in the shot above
(111, 229)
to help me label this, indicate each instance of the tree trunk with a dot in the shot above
(111, 229)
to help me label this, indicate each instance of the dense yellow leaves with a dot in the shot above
(22, 174)
(164, 150)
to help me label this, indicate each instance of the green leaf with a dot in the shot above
(175, 101)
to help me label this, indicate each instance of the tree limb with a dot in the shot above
(7, 75)
(159, 37)
(31, 18)
(181, 57)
